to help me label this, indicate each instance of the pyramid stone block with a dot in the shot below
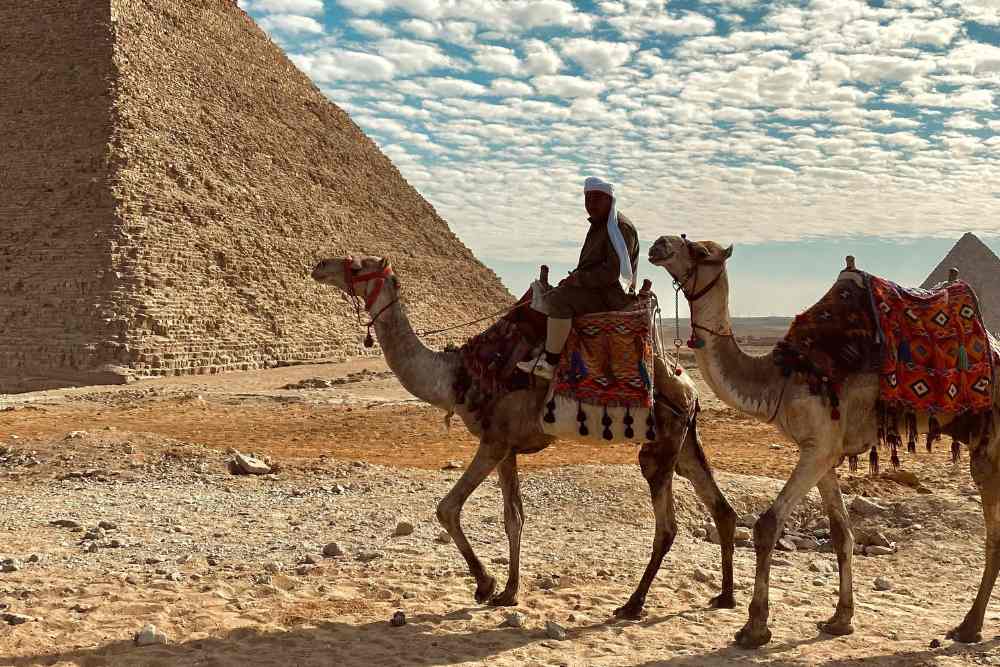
(170, 179)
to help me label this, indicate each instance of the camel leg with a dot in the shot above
(513, 520)
(843, 543)
(693, 465)
(449, 512)
(987, 478)
(814, 462)
(657, 461)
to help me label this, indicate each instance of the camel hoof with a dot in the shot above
(631, 611)
(960, 634)
(485, 590)
(836, 628)
(723, 601)
(505, 599)
(747, 638)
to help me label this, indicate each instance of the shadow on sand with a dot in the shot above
(376, 644)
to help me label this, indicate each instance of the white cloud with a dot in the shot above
(451, 87)
(411, 57)
(342, 65)
(540, 58)
(497, 59)
(291, 24)
(596, 57)
(511, 88)
(566, 86)
(371, 28)
(301, 7)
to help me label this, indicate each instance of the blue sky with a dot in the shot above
(800, 131)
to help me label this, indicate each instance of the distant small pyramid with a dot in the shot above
(980, 267)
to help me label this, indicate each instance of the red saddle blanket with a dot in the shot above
(929, 347)
(936, 354)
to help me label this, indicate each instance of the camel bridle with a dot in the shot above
(353, 279)
(694, 294)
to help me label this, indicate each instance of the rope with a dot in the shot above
(500, 313)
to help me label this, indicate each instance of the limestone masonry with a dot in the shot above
(169, 179)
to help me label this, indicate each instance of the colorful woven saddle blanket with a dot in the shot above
(936, 353)
(489, 360)
(930, 349)
(603, 385)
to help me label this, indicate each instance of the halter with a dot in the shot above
(371, 296)
(680, 285)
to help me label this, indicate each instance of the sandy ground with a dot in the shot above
(231, 569)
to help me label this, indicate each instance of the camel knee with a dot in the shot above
(765, 531)
(446, 515)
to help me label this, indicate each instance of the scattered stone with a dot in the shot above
(132, 579)
(871, 538)
(514, 619)
(107, 525)
(312, 559)
(747, 520)
(775, 446)
(879, 551)
(332, 550)
(15, 619)
(781, 562)
(453, 465)
(702, 575)
(819, 581)
(304, 569)
(785, 544)
(10, 565)
(175, 576)
(75, 435)
(242, 464)
(443, 537)
(155, 559)
(882, 584)
(398, 620)
(117, 544)
(403, 528)
(81, 608)
(743, 534)
(822, 566)
(822, 533)
(865, 507)
(713, 533)
(149, 636)
(500, 560)
(547, 582)
(272, 567)
(699, 533)
(555, 631)
(36, 558)
(935, 643)
(745, 544)
(368, 556)
(92, 548)
(805, 543)
(65, 523)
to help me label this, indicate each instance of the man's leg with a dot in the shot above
(564, 303)
(555, 339)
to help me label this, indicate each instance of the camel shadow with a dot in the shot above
(330, 643)
(732, 653)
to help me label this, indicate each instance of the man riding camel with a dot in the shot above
(607, 265)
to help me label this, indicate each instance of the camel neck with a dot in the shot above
(427, 374)
(751, 384)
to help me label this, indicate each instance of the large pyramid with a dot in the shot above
(169, 178)
(978, 266)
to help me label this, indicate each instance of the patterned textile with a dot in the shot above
(832, 340)
(936, 354)
(605, 375)
(490, 359)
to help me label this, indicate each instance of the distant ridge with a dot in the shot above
(980, 267)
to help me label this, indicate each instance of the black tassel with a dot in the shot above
(550, 412)
(650, 428)
(581, 417)
(956, 451)
(895, 459)
(628, 421)
(852, 462)
(873, 461)
(606, 421)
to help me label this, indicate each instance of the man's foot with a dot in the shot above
(538, 366)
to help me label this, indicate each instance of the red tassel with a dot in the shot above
(835, 414)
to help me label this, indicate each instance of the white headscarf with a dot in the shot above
(594, 184)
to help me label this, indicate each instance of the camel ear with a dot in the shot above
(385, 262)
(697, 250)
(727, 253)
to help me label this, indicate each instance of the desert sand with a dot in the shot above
(231, 569)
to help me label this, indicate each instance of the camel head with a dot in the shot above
(683, 259)
(360, 277)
